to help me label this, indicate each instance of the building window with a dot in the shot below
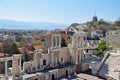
(61, 59)
(54, 42)
(44, 62)
(66, 72)
(78, 58)
(87, 50)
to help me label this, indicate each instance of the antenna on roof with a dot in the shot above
(95, 19)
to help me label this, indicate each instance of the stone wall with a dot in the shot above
(58, 73)
(65, 54)
(55, 54)
(2, 67)
(113, 40)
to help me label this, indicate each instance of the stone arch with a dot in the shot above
(86, 67)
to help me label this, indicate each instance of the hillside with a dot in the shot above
(98, 25)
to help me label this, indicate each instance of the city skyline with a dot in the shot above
(67, 11)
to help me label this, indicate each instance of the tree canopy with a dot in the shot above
(9, 46)
(63, 42)
(14, 49)
(102, 47)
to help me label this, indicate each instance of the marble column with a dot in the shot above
(52, 59)
(47, 77)
(56, 41)
(80, 41)
(48, 50)
(119, 76)
(85, 38)
(20, 62)
(56, 61)
(6, 69)
(52, 42)
(76, 57)
(60, 41)
(59, 56)
(77, 42)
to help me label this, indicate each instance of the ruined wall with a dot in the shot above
(2, 67)
(28, 65)
(65, 54)
(16, 64)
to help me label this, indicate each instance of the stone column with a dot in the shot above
(119, 76)
(77, 42)
(47, 77)
(56, 61)
(81, 41)
(48, 50)
(60, 41)
(59, 56)
(76, 57)
(36, 59)
(56, 41)
(81, 56)
(52, 42)
(20, 62)
(52, 59)
(6, 70)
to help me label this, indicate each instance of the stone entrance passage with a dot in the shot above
(53, 76)
(66, 72)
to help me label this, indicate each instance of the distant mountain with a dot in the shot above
(11, 24)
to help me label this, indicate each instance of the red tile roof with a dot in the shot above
(30, 52)
(22, 50)
(39, 47)
(3, 55)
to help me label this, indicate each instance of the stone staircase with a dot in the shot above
(102, 62)
(111, 64)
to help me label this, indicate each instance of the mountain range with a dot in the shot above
(24, 25)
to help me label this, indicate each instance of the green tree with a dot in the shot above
(36, 43)
(117, 23)
(102, 47)
(6, 45)
(63, 42)
(14, 49)
(23, 40)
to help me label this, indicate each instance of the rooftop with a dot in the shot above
(3, 55)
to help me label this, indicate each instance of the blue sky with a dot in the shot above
(59, 11)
